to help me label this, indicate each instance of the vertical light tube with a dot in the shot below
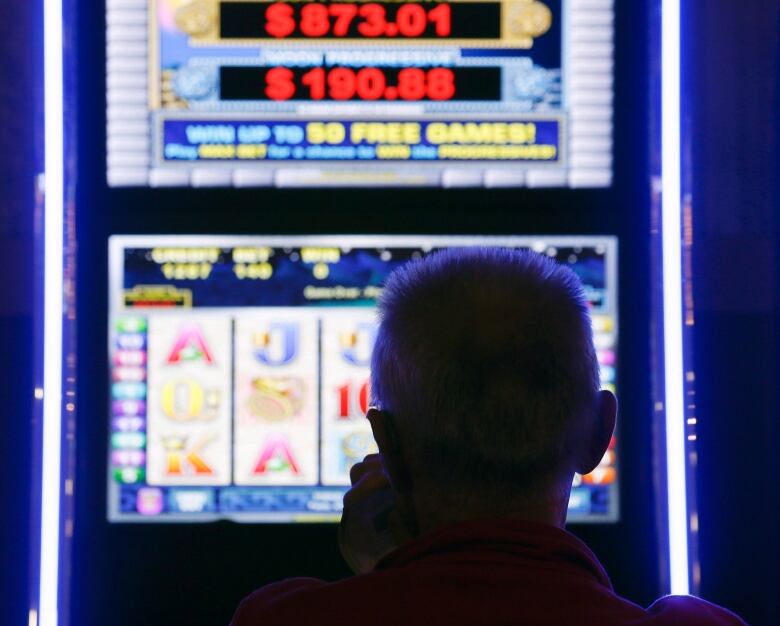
(671, 173)
(52, 312)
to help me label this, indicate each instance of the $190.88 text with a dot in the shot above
(368, 83)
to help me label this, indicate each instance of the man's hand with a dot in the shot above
(369, 526)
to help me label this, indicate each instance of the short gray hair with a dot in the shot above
(485, 360)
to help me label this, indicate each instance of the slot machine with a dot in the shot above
(241, 177)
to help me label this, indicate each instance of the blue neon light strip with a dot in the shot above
(52, 315)
(672, 292)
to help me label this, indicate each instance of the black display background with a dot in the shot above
(125, 574)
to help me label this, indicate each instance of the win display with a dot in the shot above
(239, 370)
(247, 93)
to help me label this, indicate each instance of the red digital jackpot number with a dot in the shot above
(279, 20)
(374, 22)
(315, 81)
(370, 83)
(344, 14)
(318, 20)
(280, 83)
(315, 20)
(367, 83)
(441, 17)
(441, 84)
(411, 83)
(411, 20)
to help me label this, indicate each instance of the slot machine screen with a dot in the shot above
(249, 93)
(239, 370)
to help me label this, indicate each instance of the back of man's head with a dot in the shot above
(485, 361)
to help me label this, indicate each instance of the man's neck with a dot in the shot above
(550, 510)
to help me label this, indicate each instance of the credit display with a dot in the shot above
(344, 93)
(239, 370)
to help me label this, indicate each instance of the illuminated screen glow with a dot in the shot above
(288, 93)
(240, 365)
(677, 492)
(46, 613)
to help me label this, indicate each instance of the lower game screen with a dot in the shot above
(240, 365)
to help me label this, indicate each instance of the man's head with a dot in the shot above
(486, 380)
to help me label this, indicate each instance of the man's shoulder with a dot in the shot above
(309, 600)
(673, 610)
(259, 602)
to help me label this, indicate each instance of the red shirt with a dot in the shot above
(502, 571)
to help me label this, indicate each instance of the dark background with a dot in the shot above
(735, 88)
(199, 572)
(19, 55)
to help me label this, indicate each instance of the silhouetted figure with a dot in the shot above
(486, 402)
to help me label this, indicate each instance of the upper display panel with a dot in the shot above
(403, 93)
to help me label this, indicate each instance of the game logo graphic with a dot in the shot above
(358, 92)
(240, 370)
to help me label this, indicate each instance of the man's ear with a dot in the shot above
(392, 457)
(594, 447)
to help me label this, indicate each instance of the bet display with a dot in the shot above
(246, 93)
(240, 370)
